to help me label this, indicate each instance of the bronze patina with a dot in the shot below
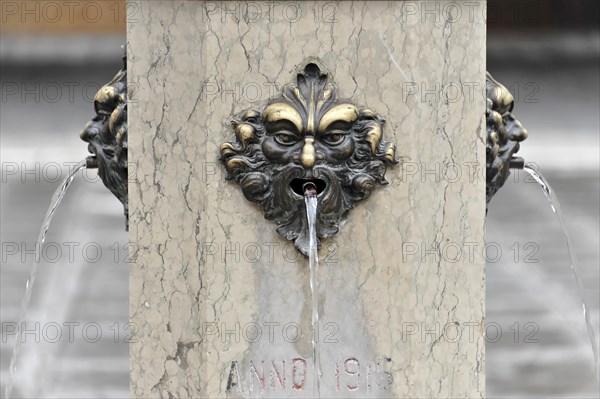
(308, 135)
(106, 134)
(504, 133)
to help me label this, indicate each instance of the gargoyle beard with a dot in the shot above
(287, 207)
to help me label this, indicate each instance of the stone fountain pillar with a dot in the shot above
(219, 302)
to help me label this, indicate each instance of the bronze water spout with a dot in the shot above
(106, 134)
(504, 133)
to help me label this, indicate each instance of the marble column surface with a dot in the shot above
(220, 303)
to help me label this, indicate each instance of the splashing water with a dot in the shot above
(56, 200)
(310, 200)
(555, 205)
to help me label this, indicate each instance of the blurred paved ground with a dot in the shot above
(563, 126)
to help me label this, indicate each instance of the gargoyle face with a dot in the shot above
(308, 135)
(106, 134)
(504, 133)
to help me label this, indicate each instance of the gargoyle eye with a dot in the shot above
(334, 138)
(103, 109)
(285, 138)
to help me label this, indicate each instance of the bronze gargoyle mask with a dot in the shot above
(504, 133)
(307, 135)
(106, 134)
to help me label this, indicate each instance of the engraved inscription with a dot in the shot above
(352, 376)
(349, 375)
(273, 375)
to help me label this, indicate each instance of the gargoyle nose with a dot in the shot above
(91, 129)
(307, 158)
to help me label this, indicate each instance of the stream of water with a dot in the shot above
(313, 262)
(555, 205)
(56, 200)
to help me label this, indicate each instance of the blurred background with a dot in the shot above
(547, 53)
(55, 56)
